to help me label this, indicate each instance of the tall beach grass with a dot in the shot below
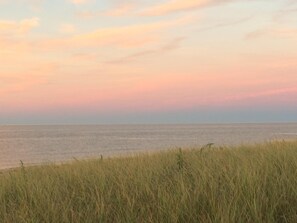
(243, 184)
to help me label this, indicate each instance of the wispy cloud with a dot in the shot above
(134, 35)
(120, 10)
(291, 2)
(20, 82)
(32, 4)
(284, 13)
(87, 14)
(164, 8)
(224, 24)
(15, 39)
(123, 36)
(178, 6)
(286, 93)
(117, 11)
(18, 27)
(78, 2)
(67, 28)
(174, 44)
(273, 32)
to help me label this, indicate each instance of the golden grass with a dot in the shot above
(243, 184)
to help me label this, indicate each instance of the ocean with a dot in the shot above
(37, 144)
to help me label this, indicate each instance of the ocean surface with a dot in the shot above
(61, 143)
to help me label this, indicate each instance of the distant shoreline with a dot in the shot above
(45, 144)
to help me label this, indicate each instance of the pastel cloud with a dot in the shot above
(120, 10)
(114, 62)
(78, 2)
(32, 4)
(273, 32)
(171, 6)
(122, 36)
(177, 6)
(20, 27)
(172, 45)
(277, 97)
(67, 28)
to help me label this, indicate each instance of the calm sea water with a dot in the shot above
(44, 144)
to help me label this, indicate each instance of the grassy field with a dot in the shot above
(243, 184)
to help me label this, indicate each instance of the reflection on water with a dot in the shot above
(40, 144)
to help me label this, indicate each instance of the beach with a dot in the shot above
(40, 144)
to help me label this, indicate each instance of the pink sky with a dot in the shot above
(147, 57)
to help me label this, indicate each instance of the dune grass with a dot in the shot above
(244, 184)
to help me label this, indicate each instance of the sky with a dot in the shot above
(147, 61)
